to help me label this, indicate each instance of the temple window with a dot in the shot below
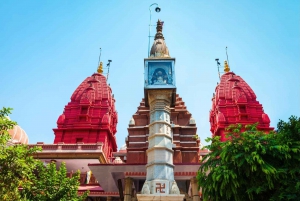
(242, 108)
(79, 140)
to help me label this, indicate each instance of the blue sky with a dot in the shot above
(49, 47)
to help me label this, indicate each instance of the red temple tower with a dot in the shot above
(85, 133)
(235, 102)
(90, 117)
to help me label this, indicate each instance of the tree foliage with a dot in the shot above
(24, 178)
(16, 161)
(51, 184)
(253, 165)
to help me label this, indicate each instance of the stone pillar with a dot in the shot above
(128, 189)
(160, 183)
(195, 191)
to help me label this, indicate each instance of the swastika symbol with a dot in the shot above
(160, 188)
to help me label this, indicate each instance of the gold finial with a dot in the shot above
(226, 67)
(100, 68)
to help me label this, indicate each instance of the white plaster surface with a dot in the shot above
(160, 155)
(162, 172)
(159, 127)
(160, 141)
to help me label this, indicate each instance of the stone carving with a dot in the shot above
(175, 189)
(161, 129)
(168, 130)
(155, 95)
(146, 189)
(161, 115)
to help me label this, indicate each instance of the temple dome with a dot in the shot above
(90, 116)
(92, 90)
(18, 135)
(235, 102)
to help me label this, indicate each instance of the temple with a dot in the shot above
(163, 152)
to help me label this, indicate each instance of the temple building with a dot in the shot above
(162, 153)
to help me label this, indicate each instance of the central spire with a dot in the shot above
(159, 28)
(159, 47)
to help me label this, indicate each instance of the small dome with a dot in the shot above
(131, 122)
(192, 121)
(118, 160)
(124, 147)
(18, 135)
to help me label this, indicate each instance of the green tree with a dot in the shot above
(16, 161)
(252, 165)
(51, 184)
(24, 178)
(289, 136)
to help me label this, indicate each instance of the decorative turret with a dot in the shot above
(159, 47)
(159, 67)
(235, 102)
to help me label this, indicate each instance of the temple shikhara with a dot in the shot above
(162, 153)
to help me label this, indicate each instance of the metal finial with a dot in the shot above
(99, 56)
(227, 55)
(226, 67)
(100, 68)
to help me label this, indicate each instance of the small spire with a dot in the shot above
(159, 47)
(159, 28)
(226, 67)
(100, 68)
